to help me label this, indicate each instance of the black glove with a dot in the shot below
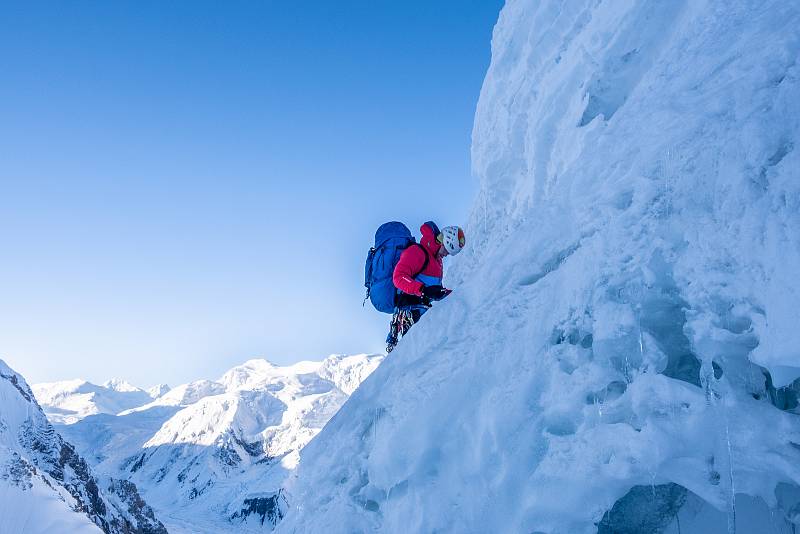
(435, 292)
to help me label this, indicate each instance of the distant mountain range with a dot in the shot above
(208, 456)
(70, 401)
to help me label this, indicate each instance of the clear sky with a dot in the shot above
(187, 185)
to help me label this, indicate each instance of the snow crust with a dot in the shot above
(621, 351)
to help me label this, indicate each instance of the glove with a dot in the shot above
(435, 292)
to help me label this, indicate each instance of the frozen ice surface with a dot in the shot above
(621, 352)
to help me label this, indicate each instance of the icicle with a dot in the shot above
(641, 339)
(653, 483)
(732, 502)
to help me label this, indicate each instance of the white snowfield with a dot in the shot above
(621, 352)
(213, 456)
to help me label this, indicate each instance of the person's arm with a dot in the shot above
(411, 261)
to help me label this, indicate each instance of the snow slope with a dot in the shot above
(212, 456)
(621, 351)
(46, 487)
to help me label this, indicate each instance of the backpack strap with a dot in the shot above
(400, 298)
(368, 274)
(427, 258)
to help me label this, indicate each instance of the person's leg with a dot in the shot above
(410, 317)
(394, 331)
(402, 320)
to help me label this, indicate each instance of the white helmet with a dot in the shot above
(452, 237)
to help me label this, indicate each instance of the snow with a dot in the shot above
(210, 454)
(158, 390)
(121, 386)
(72, 400)
(346, 372)
(183, 395)
(45, 486)
(39, 511)
(620, 353)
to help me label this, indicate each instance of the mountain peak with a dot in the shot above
(158, 390)
(258, 362)
(248, 374)
(120, 385)
(72, 400)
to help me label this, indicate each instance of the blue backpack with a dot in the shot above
(391, 239)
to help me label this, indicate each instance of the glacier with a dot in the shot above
(621, 351)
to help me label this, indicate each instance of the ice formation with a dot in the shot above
(621, 352)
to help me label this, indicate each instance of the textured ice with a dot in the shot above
(621, 351)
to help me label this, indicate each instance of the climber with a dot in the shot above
(418, 276)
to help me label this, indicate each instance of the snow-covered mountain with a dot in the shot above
(72, 400)
(47, 487)
(213, 456)
(621, 352)
(158, 390)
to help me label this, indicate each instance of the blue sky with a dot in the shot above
(187, 185)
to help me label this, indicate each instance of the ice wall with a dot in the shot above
(621, 351)
(672, 123)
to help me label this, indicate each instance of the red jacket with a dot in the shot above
(407, 276)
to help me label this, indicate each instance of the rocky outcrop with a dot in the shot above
(33, 454)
